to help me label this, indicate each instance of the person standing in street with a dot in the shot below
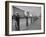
(27, 18)
(17, 20)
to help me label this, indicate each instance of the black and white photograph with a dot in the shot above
(25, 18)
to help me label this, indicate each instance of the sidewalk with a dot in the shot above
(34, 26)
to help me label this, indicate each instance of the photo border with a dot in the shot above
(7, 17)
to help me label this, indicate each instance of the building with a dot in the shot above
(20, 11)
